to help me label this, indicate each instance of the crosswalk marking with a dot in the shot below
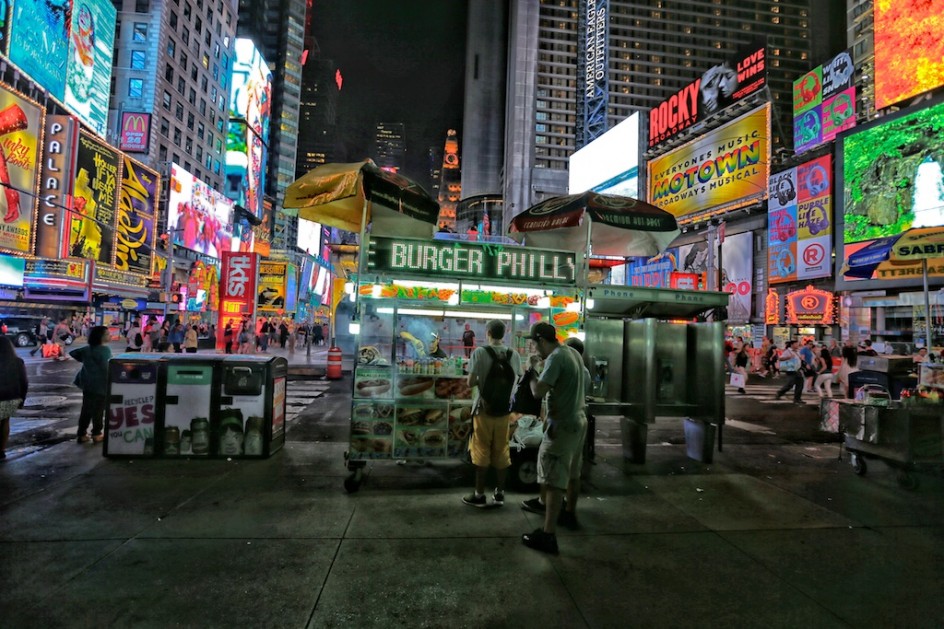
(767, 393)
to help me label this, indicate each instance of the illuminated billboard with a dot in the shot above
(21, 136)
(67, 47)
(908, 49)
(309, 237)
(59, 144)
(137, 206)
(88, 74)
(610, 163)
(245, 167)
(800, 222)
(199, 217)
(719, 87)
(727, 166)
(94, 200)
(134, 132)
(251, 94)
(824, 103)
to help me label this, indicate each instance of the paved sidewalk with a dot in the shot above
(768, 536)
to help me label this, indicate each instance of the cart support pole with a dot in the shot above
(361, 255)
(927, 304)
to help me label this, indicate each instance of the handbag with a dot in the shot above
(790, 364)
(738, 380)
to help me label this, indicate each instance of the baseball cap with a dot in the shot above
(542, 330)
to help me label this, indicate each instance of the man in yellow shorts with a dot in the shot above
(493, 371)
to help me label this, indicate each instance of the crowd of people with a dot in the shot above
(248, 337)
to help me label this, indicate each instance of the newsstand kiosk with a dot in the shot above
(199, 406)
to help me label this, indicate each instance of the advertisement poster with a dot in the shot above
(823, 102)
(272, 286)
(799, 222)
(21, 136)
(278, 407)
(199, 217)
(94, 201)
(238, 272)
(137, 203)
(693, 258)
(134, 132)
(88, 73)
(60, 141)
(737, 275)
(723, 167)
(131, 410)
(252, 88)
(291, 288)
(12, 270)
(245, 167)
(39, 41)
(372, 430)
(187, 409)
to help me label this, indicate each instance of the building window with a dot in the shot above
(193, 96)
(203, 107)
(166, 99)
(173, 21)
(169, 73)
(204, 83)
(162, 153)
(187, 10)
(165, 127)
(179, 112)
(201, 131)
(185, 36)
(199, 154)
(183, 60)
(190, 121)
(171, 47)
(206, 61)
(193, 73)
(181, 84)
(188, 145)
(177, 136)
(138, 59)
(142, 6)
(139, 34)
(135, 88)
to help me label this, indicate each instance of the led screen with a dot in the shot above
(892, 174)
(610, 163)
(252, 88)
(309, 237)
(245, 167)
(200, 218)
(12, 270)
(908, 49)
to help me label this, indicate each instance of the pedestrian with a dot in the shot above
(865, 348)
(245, 338)
(741, 360)
(559, 457)
(13, 389)
(283, 333)
(807, 365)
(468, 340)
(263, 335)
(42, 334)
(824, 372)
(61, 334)
(493, 371)
(190, 340)
(834, 350)
(771, 358)
(93, 380)
(228, 337)
(176, 335)
(850, 360)
(318, 335)
(134, 338)
(790, 365)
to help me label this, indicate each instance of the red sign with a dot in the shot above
(685, 281)
(238, 276)
(772, 307)
(135, 132)
(810, 306)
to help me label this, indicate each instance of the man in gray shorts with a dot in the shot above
(564, 381)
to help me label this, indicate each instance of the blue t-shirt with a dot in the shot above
(806, 355)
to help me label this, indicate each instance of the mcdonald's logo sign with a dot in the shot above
(135, 132)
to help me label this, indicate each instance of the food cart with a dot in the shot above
(905, 434)
(410, 401)
(655, 335)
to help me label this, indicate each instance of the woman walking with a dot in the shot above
(824, 372)
(13, 387)
(741, 360)
(850, 358)
(93, 380)
(190, 340)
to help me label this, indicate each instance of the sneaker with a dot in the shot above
(474, 500)
(539, 540)
(498, 497)
(534, 506)
(568, 519)
(98, 438)
(83, 439)
(742, 391)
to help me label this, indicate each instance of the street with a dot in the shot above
(777, 532)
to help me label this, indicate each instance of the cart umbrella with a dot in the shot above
(601, 224)
(348, 196)
(895, 256)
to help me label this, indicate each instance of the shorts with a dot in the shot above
(560, 459)
(489, 443)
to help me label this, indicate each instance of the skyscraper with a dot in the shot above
(450, 187)
(654, 48)
(173, 62)
(389, 145)
(321, 87)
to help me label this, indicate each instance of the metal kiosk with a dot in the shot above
(648, 356)
(422, 307)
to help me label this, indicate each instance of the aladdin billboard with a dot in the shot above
(800, 222)
(719, 87)
(726, 167)
(67, 47)
(137, 207)
(199, 217)
(21, 139)
(94, 200)
(824, 103)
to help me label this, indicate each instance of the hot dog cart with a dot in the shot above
(421, 308)
(675, 358)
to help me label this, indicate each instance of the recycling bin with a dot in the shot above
(200, 406)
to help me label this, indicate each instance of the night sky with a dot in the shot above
(402, 61)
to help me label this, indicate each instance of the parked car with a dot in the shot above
(21, 330)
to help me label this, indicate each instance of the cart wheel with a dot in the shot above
(907, 480)
(524, 470)
(353, 482)
(858, 464)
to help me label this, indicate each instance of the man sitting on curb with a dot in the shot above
(563, 380)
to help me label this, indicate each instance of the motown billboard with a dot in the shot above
(724, 168)
(720, 86)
